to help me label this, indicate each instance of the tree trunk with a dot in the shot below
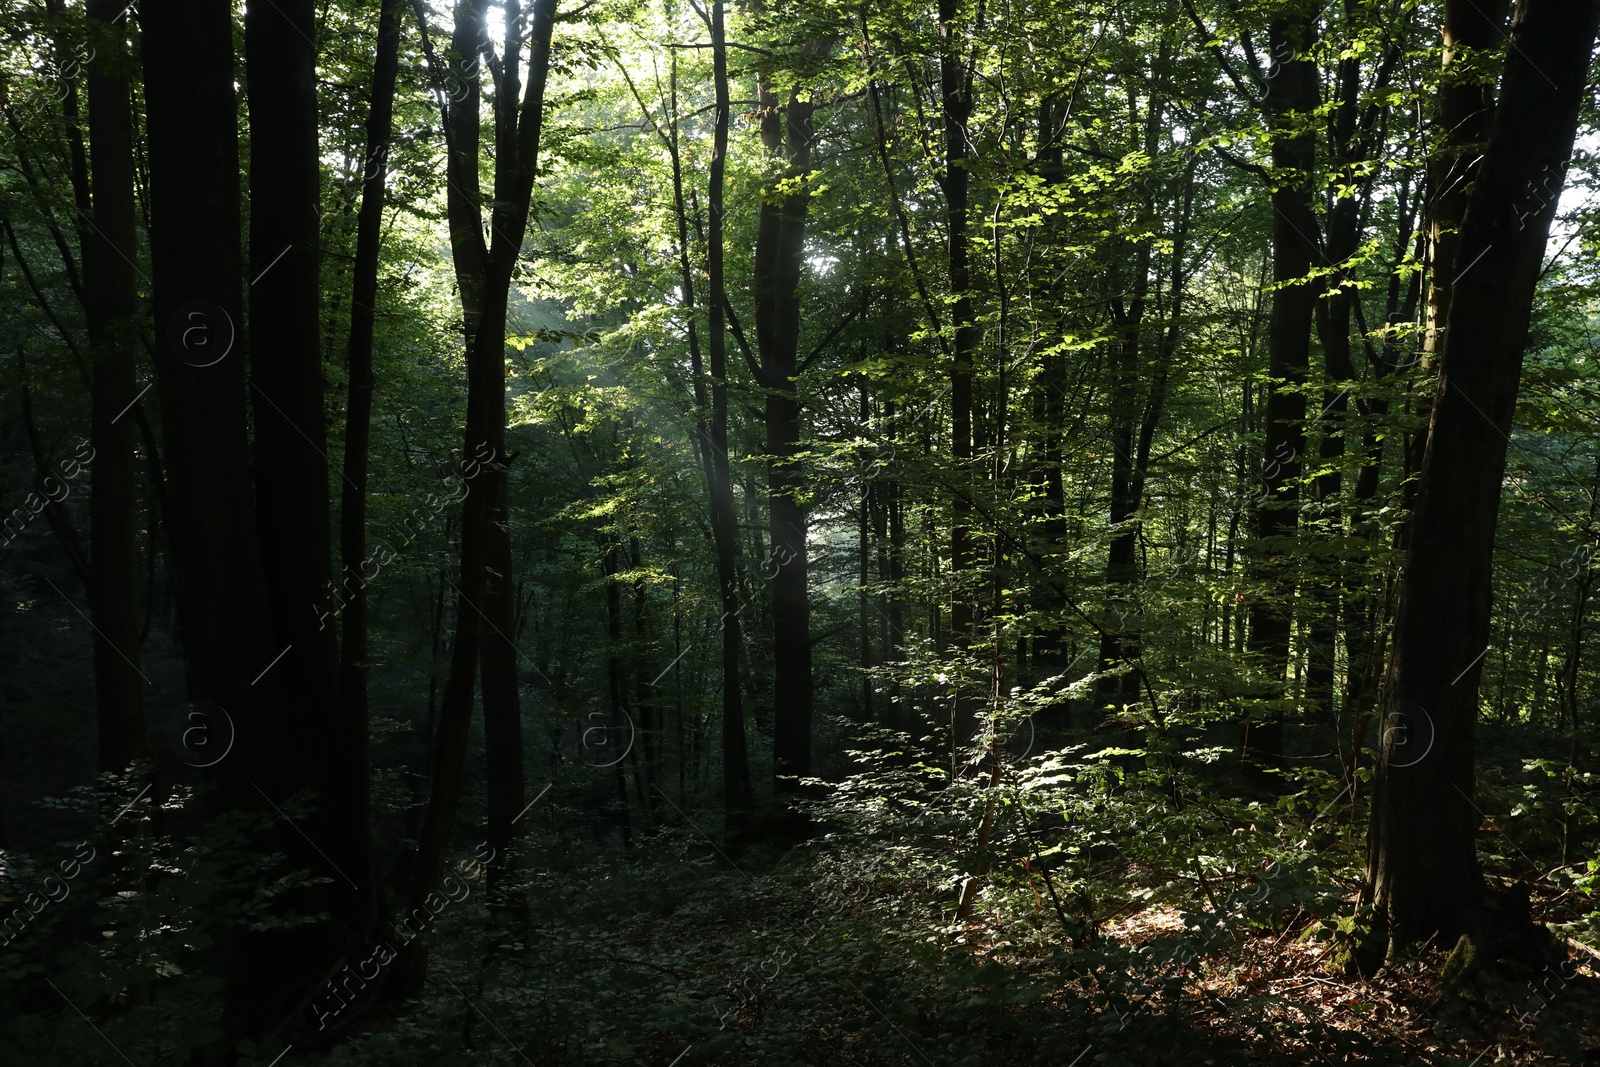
(485, 606)
(111, 285)
(955, 86)
(643, 680)
(1422, 868)
(868, 519)
(780, 244)
(353, 741)
(227, 625)
(1471, 34)
(1291, 98)
(610, 553)
(724, 520)
(1119, 647)
(290, 454)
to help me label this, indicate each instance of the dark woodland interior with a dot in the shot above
(652, 533)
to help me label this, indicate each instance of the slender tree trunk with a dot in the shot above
(1119, 647)
(643, 680)
(690, 756)
(1137, 415)
(724, 520)
(866, 513)
(1354, 133)
(353, 742)
(1571, 828)
(485, 607)
(610, 553)
(1422, 867)
(955, 86)
(111, 285)
(1291, 98)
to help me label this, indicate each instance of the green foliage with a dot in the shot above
(131, 925)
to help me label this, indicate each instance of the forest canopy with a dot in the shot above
(798, 532)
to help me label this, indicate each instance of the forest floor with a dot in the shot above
(667, 954)
(1296, 1000)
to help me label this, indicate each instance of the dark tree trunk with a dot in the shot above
(1291, 98)
(1365, 613)
(643, 679)
(780, 244)
(1333, 314)
(1472, 30)
(702, 411)
(449, 748)
(230, 647)
(868, 518)
(955, 86)
(1119, 645)
(1049, 410)
(1422, 867)
(1471, 33)
(611, 551)
(1137, 409)
(485, 605)
(353, 741)
(111, 285)
(289, 458)
(724, 520)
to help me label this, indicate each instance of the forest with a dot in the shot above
(647, 533)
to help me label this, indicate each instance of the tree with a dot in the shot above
(225, 610)
(353, 648)
(1423, 875)
(111, 288)
(724, 520)
(780, 244)
(485, 605)
(1292, 95)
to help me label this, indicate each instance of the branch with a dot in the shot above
(732, 44)
(832, 335)
(60, 521)
(1222, 59)
(573, 14)
(894, 196)
(44, 305)
(830, 631)
(744, 345)
(1202, 435)
(73, 278)
(1253, 168)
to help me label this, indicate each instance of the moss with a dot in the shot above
(1463, 960)
(1356, 943)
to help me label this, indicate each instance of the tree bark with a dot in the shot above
(1291, 98)
(955, 86)
(780, 244)
(724, 520)
(485, 606)
(1422, 868)
(353, 742)
(111, 285)
(224, 606)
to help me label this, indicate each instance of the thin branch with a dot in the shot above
(744, 345)
(732, 44)
(833, 334)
